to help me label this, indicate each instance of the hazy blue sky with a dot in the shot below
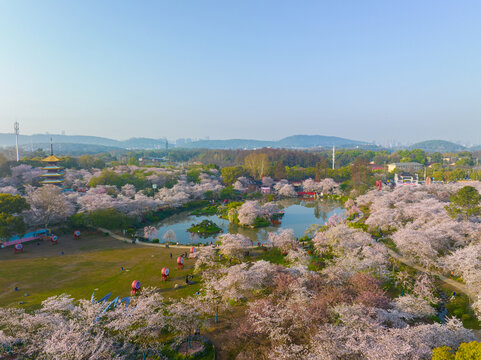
(369, 70)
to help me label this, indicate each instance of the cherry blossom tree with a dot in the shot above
(285, 190)
(267, 181)
(269, 209)
(298, 256)
(8, 190)
(416, 306)
(76, 178)
(184, 317)
(352, 250)
(422, 229)
(47, 205)
(205, 257)
(364, 335)
(310, 185)
(239, 281)
(142, 323)
(128, 190)
(239, 186)
(280, 183)
(285, 240)
(334, 220)
(170, 236)
(24, 175)
(94, 200)
(233, 245)
(150, 232)
(329, 186)
(351, 208)
(172, 197)
(60, 329)
(249, 212)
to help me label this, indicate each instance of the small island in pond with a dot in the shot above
(205, 227)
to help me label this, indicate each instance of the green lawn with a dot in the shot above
(80, 274)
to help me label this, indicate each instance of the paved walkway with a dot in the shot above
(124, 239)
(115, 236)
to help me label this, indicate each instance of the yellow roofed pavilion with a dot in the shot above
(54, 173)
(51, 158)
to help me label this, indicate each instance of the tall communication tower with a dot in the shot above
(16, 129)
(333, 157)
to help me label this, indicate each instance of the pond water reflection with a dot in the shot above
(299, 215)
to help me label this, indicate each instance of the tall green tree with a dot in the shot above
(11, 222)
(465, 202)
(230, 174)
(12, 204)
(360, 174)
(257, 164)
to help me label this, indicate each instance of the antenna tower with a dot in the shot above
(333, 157)
(16, 128)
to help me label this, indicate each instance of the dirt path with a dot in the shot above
(455, 284)
(219, 334)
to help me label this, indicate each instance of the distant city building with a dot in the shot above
(405, 166)
(406, 180)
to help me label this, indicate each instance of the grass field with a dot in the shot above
(92, 263)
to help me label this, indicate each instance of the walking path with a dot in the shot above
(115, 236)
(127, 240)
(455, 284)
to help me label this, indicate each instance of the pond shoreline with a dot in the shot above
(299, 215)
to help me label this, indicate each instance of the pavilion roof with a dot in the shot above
(51, 158)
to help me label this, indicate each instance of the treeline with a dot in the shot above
(283, 157)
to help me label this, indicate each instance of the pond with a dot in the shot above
(299, 215)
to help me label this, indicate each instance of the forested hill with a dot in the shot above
(37, 139)
(291, 142)
(441, 146)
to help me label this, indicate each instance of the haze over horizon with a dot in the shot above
(193, 139)
(370, 71)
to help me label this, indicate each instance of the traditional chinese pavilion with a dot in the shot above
(54, 172)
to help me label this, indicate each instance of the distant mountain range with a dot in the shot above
(78, 144)
(70, 148)
(33, 140)
(290, 142)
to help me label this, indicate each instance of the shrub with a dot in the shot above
(261, 222)
(106, 218)
(458, 312)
